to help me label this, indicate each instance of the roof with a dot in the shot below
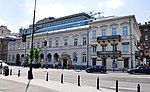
(66, 17)
(112, 18)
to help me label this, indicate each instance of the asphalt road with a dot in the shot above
(127, 82)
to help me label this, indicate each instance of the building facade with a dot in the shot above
(4, 32)
(78, 40)
(145, 42)
(113, 42)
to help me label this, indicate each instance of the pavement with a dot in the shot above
(14, 83)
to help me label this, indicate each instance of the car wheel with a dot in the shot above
(132, 72)
(102, 72)
(88, 71)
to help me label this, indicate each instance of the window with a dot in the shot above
(84, 41)
(38, 44)
(10, 46)
(56, 43)
(114, 31)
(146, 37)
(93, 48)
(125, 30)
(9, 58)
(50, 44)
(103, 48)
(65, 42)
(28, 45)
(114, 47)
(75, 41)
(84, 57)
(104, 32)
(94, 34)
(75, 58)
(125, 47)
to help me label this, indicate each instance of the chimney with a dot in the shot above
(145, 23)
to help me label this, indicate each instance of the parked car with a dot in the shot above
(139, 69)
(98, 68)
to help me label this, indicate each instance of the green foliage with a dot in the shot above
(35, 53)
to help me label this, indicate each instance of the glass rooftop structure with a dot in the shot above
(51, 24)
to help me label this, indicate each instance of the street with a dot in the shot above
(127, 82)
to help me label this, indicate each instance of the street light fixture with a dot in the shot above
(30, 75)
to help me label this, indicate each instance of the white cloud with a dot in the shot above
(52, 9)
(111, 4)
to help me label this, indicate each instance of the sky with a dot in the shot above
(16, 14)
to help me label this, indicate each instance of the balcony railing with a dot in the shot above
(112, 37)
(108, 53)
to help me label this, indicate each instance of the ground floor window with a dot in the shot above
(93, 61)
(104, 62)
(126, 62)
(114, 63)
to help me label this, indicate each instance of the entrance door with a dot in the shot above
(126, 62)
(104, 62)
(65, 63)
(93, 61)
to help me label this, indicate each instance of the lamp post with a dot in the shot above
(30, 75)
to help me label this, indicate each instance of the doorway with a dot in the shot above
(126, 62)
(104, 61)
(93, 61)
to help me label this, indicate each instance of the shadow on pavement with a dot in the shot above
(27, 86)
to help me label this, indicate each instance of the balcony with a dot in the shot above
(109, 38)
(109, 53)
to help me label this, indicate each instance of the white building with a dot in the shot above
(107, 41)
(113, 41)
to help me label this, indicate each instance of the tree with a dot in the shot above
(35, 54)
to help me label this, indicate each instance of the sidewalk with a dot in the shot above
(53, 86)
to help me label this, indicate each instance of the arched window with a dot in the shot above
(83, 57)
(49, 57)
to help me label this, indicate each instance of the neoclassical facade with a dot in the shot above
(81, 42)
(114, 42)
(67, 46)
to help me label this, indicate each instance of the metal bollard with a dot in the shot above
(79, 80)
(62, 78)
(116, 85)
(138, 88)
(47, 77)
(10, 71)
(98, 83)
(18, 73)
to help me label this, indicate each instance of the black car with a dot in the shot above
(140, 69)
(98, 68)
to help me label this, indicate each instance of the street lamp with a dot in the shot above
(30, 75)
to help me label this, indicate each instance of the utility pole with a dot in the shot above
(30, 75)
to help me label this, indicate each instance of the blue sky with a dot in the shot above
(19, 13)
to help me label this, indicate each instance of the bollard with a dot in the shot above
(79, 80)
(62, 78)
(10, 71)
(116, 85)
(138, 88)
(18, 73)
(98, 83)
(47, 77)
